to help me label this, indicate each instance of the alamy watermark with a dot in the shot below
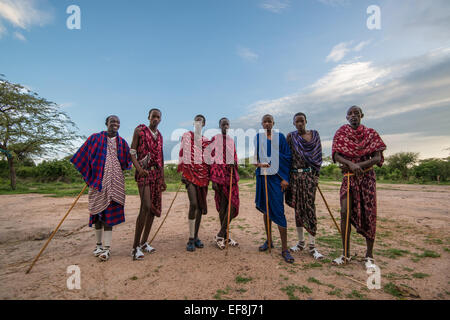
(374, 20)
(374, 279)
(74, 20)
(74, 280)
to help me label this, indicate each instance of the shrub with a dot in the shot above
(56, 170)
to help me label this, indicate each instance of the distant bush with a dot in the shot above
(331, 171)
(246, 171)
(170, 173)
(56, 170)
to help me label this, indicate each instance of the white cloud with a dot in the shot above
(24, 14)
(391, 95)
(19, 36)
(340, 50)
(427, 146)
(348, 79)
(247, 54)
(275, 6)
(361, 45)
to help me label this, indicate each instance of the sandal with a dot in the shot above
(341, 260)
(198, 243)
(265, 246)
(190, 245)
(287, 256)
(316, 254)
(370, 263)
(97, 251)
(137, 254)
(104, 256)
(300, 246)
(148, 248)
(233, 243)
(220, 242)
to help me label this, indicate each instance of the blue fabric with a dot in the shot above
(90, 159)
(274, 178)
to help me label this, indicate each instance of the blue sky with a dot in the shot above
(239, 59)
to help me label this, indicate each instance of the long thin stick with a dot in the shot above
(348, 216)
(179, 187)
(326, 204)
(348, 208)
(54, 232)
(229, 210)
(267, 213)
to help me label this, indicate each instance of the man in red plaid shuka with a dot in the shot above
(225, 160)
(195, 175)
(358, 149)
(148, 159)
(100, 160)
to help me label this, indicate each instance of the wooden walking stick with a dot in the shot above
(326, 204)
(348, 216)
(229, 211)
(348, 209)
(170, 207)
(54, 232)
(267, 213)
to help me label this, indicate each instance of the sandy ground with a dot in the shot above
(411, 220)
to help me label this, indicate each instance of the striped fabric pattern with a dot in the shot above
(113, 182)
(310, 151)
(90, 159)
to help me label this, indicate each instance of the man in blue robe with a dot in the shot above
(273, 159)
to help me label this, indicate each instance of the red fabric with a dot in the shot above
(153, 148)
(354, 144)
(223, 149)
(192, 164)
(358, 146)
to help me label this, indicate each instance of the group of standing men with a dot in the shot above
(287, 171)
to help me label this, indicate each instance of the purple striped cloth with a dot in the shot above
(311, 151)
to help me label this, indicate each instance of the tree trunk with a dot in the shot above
(12, 172)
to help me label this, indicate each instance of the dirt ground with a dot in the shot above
(411, 249)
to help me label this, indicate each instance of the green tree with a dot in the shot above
(403, 162)
(433, 170)
(31, 126)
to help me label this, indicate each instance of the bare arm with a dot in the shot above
(372, 161)
(357, 168)
(354, 167)
(134, 145)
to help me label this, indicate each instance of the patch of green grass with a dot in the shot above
(428, 254)
(408, 269)
(242, 290)
(332, 241)
(240, 279)
(312, 265)
(314, 280)
(336, 292)
(133, 278)
(290, 291)
(391, 289)
(355, 294)
(393, 275)
(392, 253)
(420, 275)
(219, 293)
(433, 241)
(445, 249)
(396, 276)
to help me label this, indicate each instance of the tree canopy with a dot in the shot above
(32, 126)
